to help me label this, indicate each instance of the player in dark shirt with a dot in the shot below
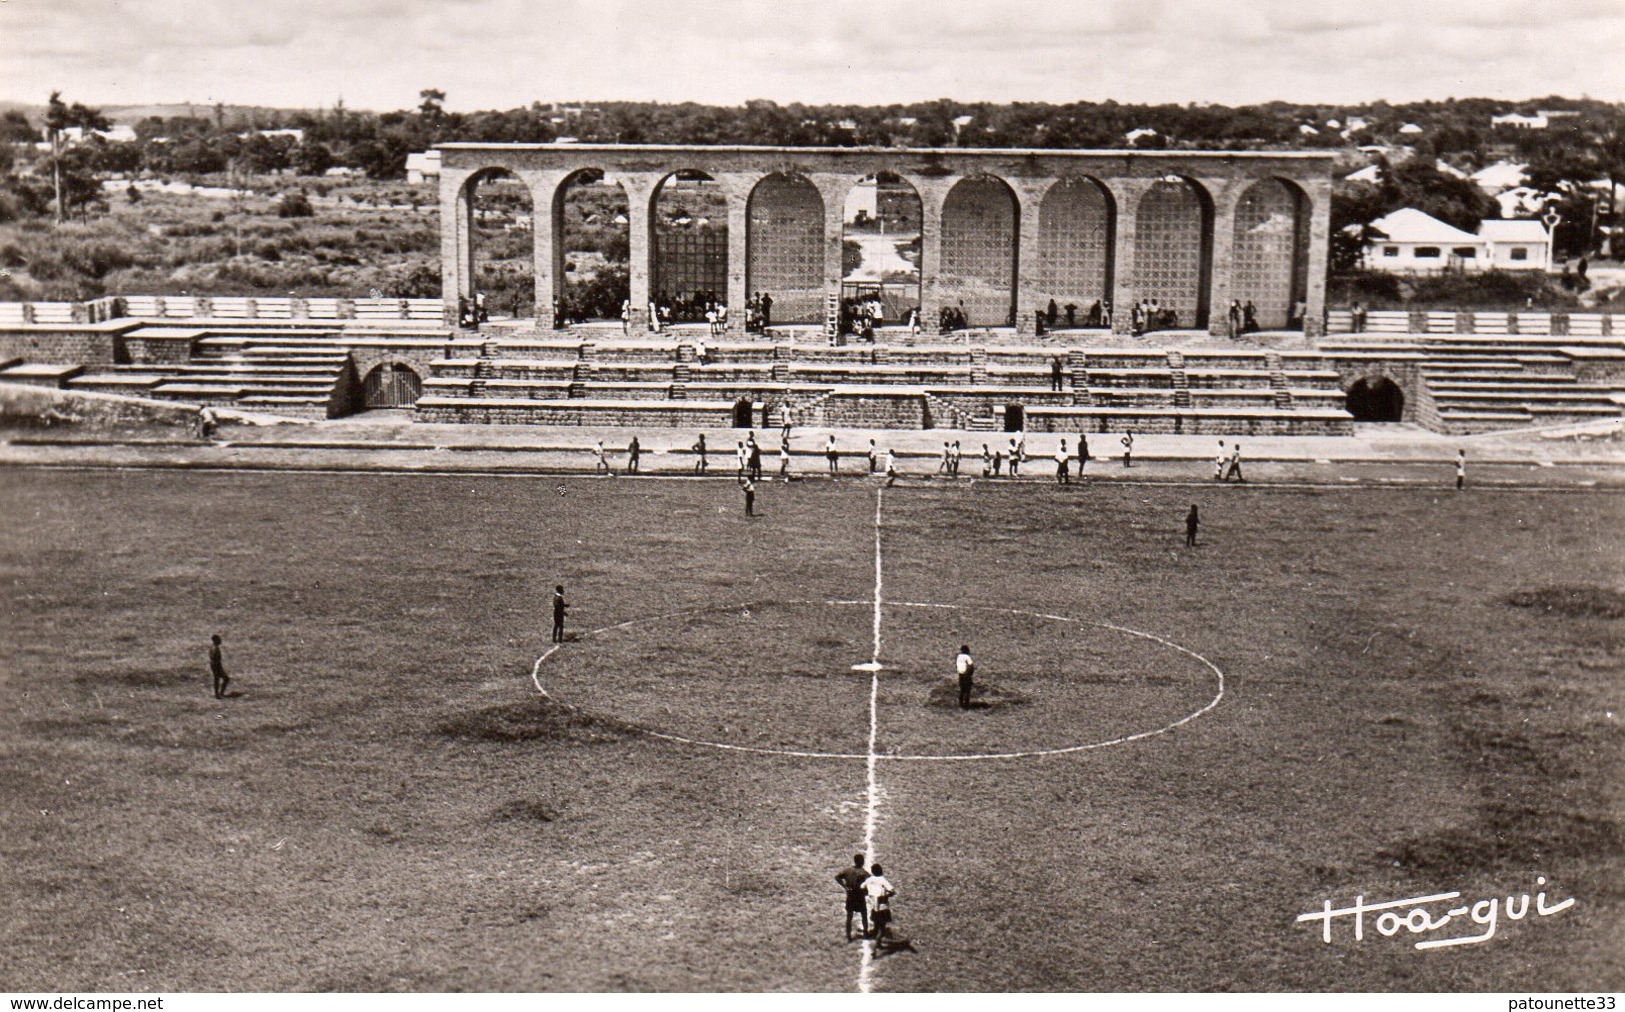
(852, 879)
(559, 608)
(217, 668)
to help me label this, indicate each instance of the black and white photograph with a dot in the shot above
(816, 498)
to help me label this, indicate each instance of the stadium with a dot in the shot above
(1371, 678)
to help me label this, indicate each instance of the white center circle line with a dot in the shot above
(1218, 695)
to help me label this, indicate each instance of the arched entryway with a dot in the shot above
(785, 248)
(1376, 399)
(1271, 252)
(689, 272)
(1076, 228)
(501, 248)
(742, 414)
(592, 243)
(978, 265)
(1173, 252)
(391, 385)
(880, 252)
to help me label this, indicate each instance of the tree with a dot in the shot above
(312, 159)
(433, 106)
(59, 117)
(15, 128)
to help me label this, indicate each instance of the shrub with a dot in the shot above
(92, 259)
(295, 205)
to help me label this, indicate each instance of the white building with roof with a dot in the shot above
(422, 165)
(1519, 121)
(1500, 177)
(1416, 242)
(1517, 245)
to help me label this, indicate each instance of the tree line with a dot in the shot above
(1574, 150)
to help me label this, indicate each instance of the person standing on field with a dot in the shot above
(1015, 458)
(559, 608)
(749, 488)
(833, 456)
(784, 458)
(603, 459)
(1235, 464)
(872, 456)
(700, 463)
(1218, 462)
(1461, 470)
(1192, 521)
(987, 462)
(966, 667)
(1062, 461)
(217, 668)
(851, 879)
(1128, 448)
(954, 457)
(880, 892)
(634, 450)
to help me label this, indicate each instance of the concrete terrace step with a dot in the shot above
(1512, 368)
(239, 389)
(283, 399)
(1539, 395)
(115, 381)
(224, 346)
(1513, 382)
(250, 370)
(301, 359)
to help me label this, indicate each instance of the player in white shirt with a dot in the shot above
(880, 892)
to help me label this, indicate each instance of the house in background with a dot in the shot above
(1517, 245)
(1500, 177)
(422, 165)
(1417, 243)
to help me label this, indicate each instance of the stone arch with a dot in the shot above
(1376, 397)
(1271, 251)
(498, 242)
(784, 246)
(1173, 249)
(881, 222)
(389, 381)
(978, 259)
(591, 247)
(688, 248)
(1077, 226)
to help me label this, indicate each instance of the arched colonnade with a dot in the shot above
(1001, 233)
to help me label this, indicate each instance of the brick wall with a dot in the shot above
(91, 344)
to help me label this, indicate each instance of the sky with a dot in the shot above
(378, 54)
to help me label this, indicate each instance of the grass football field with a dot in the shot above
(1343, 692)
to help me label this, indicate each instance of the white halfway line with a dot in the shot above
(866, 965)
